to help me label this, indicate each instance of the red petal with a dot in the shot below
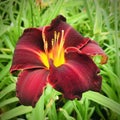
(30, 85)
(72, 37)
(27, 50)
(76, 76)
(92, 49)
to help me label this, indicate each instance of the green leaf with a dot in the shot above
(102, 100)
(67, 116)
(38, 111)
(52, 113)
(5, 70)
(68, 107)
(88, 10)
(9, 43)
(79, 116)
(5, 57)
(98, 19)
(55, 11)
(7, 90)
(8, 101)
(17, 111)
(109, 91)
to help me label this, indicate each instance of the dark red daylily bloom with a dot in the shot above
(58, 55)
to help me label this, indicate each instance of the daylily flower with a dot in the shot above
(57, 55)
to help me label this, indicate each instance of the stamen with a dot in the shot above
(55, 36)
(45, 45)
(45, 42)
(46, 48)
(52, 42)
(58, 52)
(55, 44)
(61, 43)
(58, 35)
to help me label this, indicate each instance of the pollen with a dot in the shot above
(57, 51)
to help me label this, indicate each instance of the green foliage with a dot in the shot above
(98, 19)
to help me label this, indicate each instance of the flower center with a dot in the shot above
(56, 54)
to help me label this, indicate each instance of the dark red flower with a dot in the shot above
(58, 55)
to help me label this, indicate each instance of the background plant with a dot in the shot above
(97, 19)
